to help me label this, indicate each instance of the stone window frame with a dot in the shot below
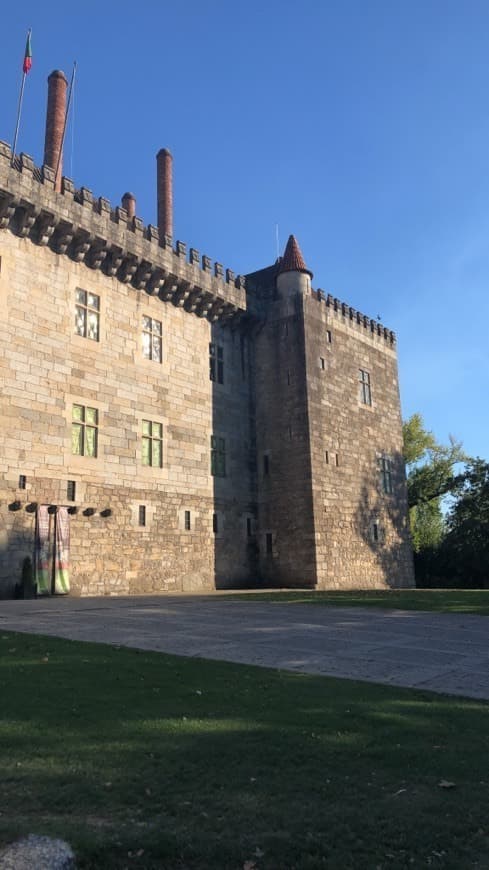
(218, 456)
(376, 532)
(385, 470)
(187, 520)
(84, 425)
(365, 387)
(84, 311)
(216, 362)
(153, 330)
(153, 439)
(269, 544)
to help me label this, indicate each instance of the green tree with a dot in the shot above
(465, 550)
(430, 465)
(430, 476)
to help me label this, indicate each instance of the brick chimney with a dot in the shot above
(164, 172)
(129, 203)
(55, 119)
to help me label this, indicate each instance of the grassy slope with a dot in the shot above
(440, 600)
(210, 765)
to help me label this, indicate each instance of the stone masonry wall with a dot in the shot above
(45, 368)
(284, 478)
(348, 439)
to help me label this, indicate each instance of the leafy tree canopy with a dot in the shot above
(430, 464)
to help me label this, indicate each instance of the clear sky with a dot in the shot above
(362, 126)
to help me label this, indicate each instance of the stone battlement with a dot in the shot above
(355, 317)
(90, 231)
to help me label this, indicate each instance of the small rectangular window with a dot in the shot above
(216, 363)
(248, 527)
(87, 314)
(322, 363)
(152, 444)
(375, 531)
(71, 490)
(329, 336)
(152, 339)
(365, 389)
(84, 431)
(22, 481)
(187, 521)
(269, 543)
(385, 472)
(266, 465)
(218, 456)
(215, 524)
(142, 514)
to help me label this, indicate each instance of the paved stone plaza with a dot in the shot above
(432, 651)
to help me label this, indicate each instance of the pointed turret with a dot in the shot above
(292, 260)
(293, 275)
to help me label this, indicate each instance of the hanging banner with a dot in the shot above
(62, 552)
(43, 551)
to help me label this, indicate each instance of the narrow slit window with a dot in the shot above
(218, 456)
(216, 363)
(385, 472)
(322, 363)
(71, 490)
(22, 481)
(337, 459)
(329, 336)
(187, 521)
(269, 543)
(326, 457)
(215, 523)
(248, 527)
(266, 465)
(142, 514)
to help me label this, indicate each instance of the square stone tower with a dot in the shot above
(331, 488)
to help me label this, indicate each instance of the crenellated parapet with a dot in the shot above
(89, 230)
(352, 316)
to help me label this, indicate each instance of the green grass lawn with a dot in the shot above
(143, 760)
(441, 600)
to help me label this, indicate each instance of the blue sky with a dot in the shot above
(362, 126)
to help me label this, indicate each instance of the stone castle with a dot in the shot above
(195, 429)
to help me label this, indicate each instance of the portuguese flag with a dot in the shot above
(28, 55)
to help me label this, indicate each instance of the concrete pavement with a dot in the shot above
(446, 653)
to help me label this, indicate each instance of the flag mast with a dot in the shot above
(25, 69)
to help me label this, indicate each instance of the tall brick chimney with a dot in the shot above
(164, 172)
(55, 119)
(129, 203)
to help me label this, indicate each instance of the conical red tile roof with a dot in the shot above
(292, 260)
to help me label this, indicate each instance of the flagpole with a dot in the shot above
(19, 108)
(66, 119)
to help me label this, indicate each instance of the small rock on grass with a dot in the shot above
(41, 853)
